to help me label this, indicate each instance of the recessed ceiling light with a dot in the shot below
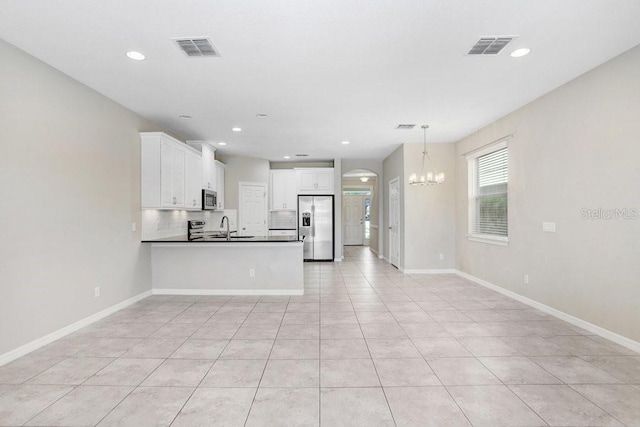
(345, 142)
(136, 55)
(236, 129)
(261, 116)
(222, 143)
(184, 117)
(287, 157)
(520, 52)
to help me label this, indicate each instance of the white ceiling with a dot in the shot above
(324, 71)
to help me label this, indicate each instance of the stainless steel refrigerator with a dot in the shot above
(315, 224)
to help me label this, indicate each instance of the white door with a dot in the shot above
(253, 209)
(353, 219)
(394, 221)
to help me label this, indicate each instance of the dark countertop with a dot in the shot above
(253, 239)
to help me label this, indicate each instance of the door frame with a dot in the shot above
(241, 184)
(394, 181)
(361, 197)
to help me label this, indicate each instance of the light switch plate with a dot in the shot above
(549, 227)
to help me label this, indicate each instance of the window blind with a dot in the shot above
(490, 210)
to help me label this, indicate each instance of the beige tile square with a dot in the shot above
(559, 405)
(340, 332)
(344, 349)
(124, 372)
(296, 349)
(235, 373)
(518, 370)
(494, 406)
(148, 406)
(291, 373)
(405, 372)
(299, 332)
(621, 401)
(154, 348)
(573, 370)
(348, 373)
(72, 371)
(247, 349)
(440, 347)
(85, 405)
(462, 371)
(26, 367)
(424, 407)
(392, 348)
(200, 349)
(179, 373)
(22, 402)
(354, 407)
(227, 406)
(285, 407)
(257, 332)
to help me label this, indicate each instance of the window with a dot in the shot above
(488, 194)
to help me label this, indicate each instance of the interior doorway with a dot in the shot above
(360, 209)
(253, 209)
(394, 222)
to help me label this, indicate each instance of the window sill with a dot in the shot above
(492, 240)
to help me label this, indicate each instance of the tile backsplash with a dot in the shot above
(157, 224)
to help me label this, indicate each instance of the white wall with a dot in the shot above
(574, 148)
(70, 189)
(242, 169)
(429, 211)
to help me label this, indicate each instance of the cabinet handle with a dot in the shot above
(208, 185)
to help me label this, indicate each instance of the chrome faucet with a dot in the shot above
(222, 224)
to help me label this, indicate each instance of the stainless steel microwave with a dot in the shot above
(209, 200)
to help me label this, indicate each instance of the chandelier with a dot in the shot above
(432, 176)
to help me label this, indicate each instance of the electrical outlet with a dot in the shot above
(549, 227)
(252, 272)
(96, 291)
(526, 279)
(133, 227)
(441, 257)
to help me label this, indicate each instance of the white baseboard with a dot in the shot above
(49, 338)
(604, 333)
(374, 251)
(429, 271)
(338, 259)
(228, 292)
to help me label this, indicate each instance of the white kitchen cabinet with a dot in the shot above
(283, 189)
(220, 167)
(193, 179)
(209, 173)
(315, 180)
(166, 182)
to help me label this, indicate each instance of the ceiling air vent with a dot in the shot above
(302, 155)
(196, 46)
(405, 126)
(490, 45)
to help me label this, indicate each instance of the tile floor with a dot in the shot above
(365, 346)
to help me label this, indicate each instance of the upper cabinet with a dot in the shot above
(283, 189)
(171, 173)
(193, 179)
(315, 180)
(219, 188)
(208, 168)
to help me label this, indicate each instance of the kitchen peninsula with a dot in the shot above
(217, 266)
